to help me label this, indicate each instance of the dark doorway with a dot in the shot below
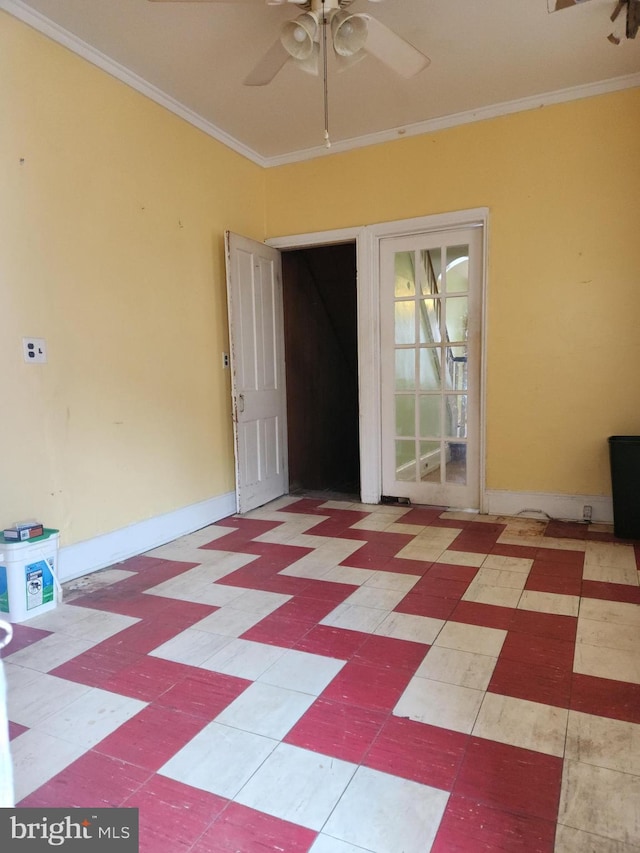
(321, 353)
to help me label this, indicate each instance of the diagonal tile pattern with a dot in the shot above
(345, 678)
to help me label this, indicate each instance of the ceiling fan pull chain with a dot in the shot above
(327, 138)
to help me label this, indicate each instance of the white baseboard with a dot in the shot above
(565, 507)
(77, 560)
(80, 559)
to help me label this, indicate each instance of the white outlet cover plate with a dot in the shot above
(34, 350)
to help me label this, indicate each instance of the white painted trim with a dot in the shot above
(67, 39)
(77, 560)
(431, 223)
(565, 507)
(314, 239)
(369, 370)
(58, 34)
(484, 325)
(532, 102)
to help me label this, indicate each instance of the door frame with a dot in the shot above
(367, 239)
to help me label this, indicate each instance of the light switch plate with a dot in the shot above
(35, 350)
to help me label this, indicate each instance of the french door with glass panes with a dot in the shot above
(431, 307)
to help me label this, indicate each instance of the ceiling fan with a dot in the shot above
(557, 5)
(352, 35)
(629, 28)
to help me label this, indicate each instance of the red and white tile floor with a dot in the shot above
(339, 678)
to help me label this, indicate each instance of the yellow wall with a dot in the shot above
(563, 321)
(112, 212)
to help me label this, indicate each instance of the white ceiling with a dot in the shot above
(487, 57)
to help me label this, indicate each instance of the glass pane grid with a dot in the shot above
(431, 369)
(405, 314)
(456, 273)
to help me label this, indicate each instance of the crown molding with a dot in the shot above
(504, 108)
(58, 34)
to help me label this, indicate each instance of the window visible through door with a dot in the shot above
(430, 327)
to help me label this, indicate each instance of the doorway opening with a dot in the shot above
(321, 357)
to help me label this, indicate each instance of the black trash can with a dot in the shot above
(624, 455)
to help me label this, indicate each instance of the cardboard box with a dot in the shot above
(23, 532)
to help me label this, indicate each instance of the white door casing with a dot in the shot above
(256, 333)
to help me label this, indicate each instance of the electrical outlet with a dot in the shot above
(586, 513)
(34, 350)
(225, 359)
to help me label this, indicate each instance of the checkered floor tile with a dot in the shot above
(342, 678)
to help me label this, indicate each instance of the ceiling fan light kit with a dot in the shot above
(349, 33)
(298, 36)
(324, 25)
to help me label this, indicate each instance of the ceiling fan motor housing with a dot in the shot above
(326, 6)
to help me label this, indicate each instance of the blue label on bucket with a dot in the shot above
(39, 584)
(4, 590)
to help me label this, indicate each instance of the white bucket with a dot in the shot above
(28, 579)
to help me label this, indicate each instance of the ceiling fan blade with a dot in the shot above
(557, 5)
(393, 50)
(268, 66)
(210, 1)
(231, 2)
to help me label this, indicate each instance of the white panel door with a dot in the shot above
(256, 331)
(431, 322)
